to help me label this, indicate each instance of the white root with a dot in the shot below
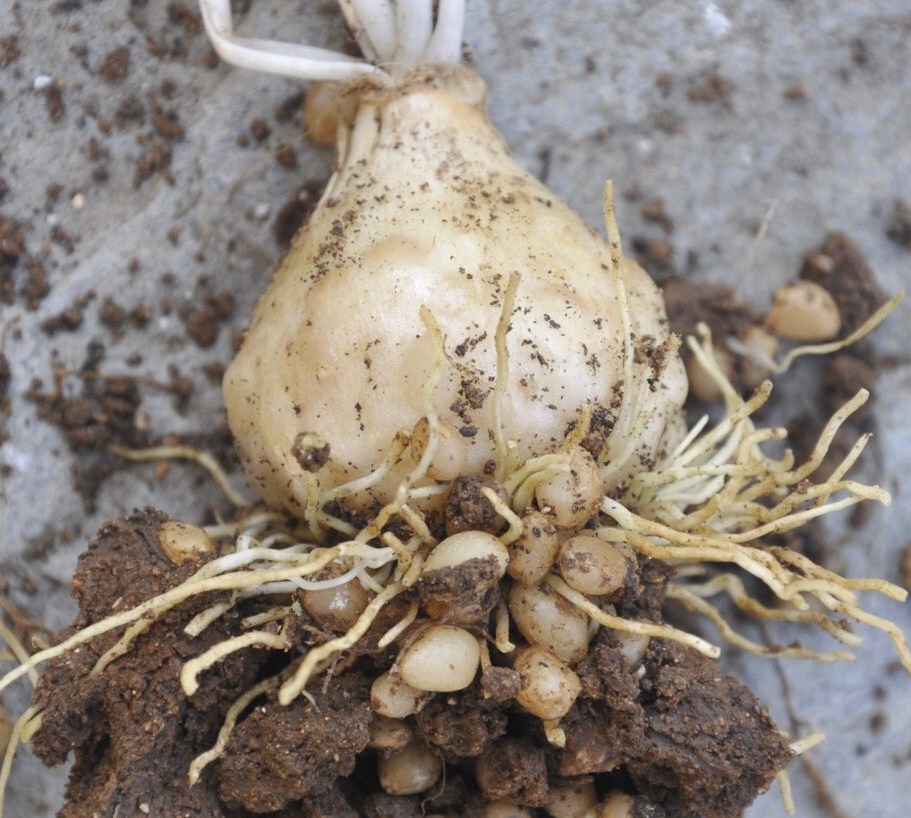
(445, 44)
(393, 37)
(373, 24)
(286, 59)
(414, 25)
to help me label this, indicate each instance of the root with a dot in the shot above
(516, 526)
(619, 623)
(718, 496)
(630, 401)
(798, 747)
(732, 585)
(25, 727)
(261, 639)
(396, 630)
(392, 457)
(862, 331)
(787, 797)
(807, 743)
(696, 604)
(501, 629)
(533, 473)
(17, 650)
(291, 689)
(224, 734)
(176, 452)
(206, 580)
(122, 646)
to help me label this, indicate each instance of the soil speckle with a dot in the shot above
(898, 228)
(710, 87)
(115, 67)
(204, 315)
(10, 50)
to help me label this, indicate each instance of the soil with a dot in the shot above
(133, 732)
(838, 265)
(725, 314)
(675, 732)
(94, 411)
(468, 509)
(688, 304)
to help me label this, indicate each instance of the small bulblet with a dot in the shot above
(427, 207)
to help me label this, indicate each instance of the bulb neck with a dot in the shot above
(409, 114)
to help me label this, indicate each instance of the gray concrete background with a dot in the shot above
(574, 92)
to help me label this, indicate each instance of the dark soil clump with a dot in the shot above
(279, 755)
(692, 710)
(133, 731)
(719, 308)
(838, 265)
(468, 509)
(668, 728)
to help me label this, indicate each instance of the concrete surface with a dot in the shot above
(574, 92)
